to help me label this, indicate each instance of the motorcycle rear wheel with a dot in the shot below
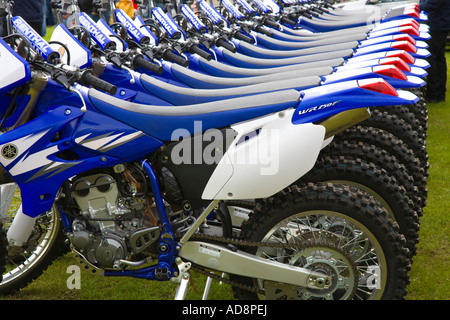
(337, 223)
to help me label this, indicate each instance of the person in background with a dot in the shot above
(439, 22)
(31, 11)
(88, 7)
(128, 6)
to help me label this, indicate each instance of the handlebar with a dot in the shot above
(140, 61)
(88, 79)
(271, 23)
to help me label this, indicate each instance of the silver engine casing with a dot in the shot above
(111, 228)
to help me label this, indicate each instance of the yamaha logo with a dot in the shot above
(9, 151)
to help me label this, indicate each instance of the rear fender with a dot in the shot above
(405, 56)
(421, 33)
(321, 102)
(393, 45)
(390, 73)
(407, 69)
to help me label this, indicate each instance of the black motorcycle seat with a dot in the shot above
(161, 122)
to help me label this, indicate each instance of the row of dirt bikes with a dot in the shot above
(277, 146)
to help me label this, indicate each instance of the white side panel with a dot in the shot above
(275, 155)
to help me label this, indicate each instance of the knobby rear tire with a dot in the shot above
(300, 201)
(374, 183)
(393, 146)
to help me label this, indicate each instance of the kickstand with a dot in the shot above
(207, 287)
(182, 287)
(182, 279)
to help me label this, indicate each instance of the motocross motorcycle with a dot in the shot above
(117, 224)
(404, 214)
(108, 173)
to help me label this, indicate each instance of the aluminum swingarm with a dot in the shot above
(234, 261)
(232, 243)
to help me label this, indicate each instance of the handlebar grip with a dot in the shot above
(293, 16)
(169, 55)
(271, 23)
(226, 45)
(88, 79)
(288, 21)
(139, 61)
(196, 49)
(307, 15)
(263, 31)
(243, 37)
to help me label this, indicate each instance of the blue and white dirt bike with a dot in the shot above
(171, 91)
(132, 197)
(212, 80)
(180, 95)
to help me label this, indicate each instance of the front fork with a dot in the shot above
(22, 225)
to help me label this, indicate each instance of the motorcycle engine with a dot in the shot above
(114, 223)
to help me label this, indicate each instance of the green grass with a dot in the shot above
(430, 274)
